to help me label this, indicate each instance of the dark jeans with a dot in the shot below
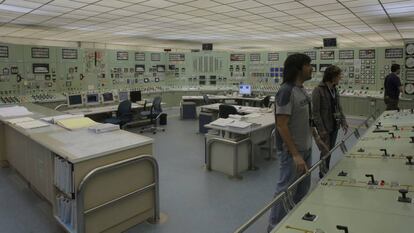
(288, 175)
(330, 141)
(392, 104)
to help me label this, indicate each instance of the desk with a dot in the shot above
(98, 161)
(87, 111)
(260, 130)
(350, 200)
(239, 99)
(240, 109)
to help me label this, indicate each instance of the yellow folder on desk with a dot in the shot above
(76, 123)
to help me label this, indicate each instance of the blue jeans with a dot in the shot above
(288, 175)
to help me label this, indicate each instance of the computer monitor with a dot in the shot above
(135, 96)
(123, 95)
(75, 100)
(107, 97)
(245, 89)
(92, 99)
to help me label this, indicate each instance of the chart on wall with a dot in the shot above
(409, 67)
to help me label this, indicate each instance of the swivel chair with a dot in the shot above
(225, 110)
(206, 100)
(265, 103)
(153, 114)
(123, 115)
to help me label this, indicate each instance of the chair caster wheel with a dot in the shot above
(141, 131)
(163, 130)
(154, 132)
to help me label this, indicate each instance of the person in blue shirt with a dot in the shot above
(392, 88)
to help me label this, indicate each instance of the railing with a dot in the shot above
(285, 196)
(81, 212)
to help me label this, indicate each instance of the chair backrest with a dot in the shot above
(225, 110)
(124, 108)
(156, 105)
(206, 99)
(266, 102)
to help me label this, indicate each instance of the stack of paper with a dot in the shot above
(32, 124)
(102, 128)
(66, 210)
(239, 124)
(222, 122)
(76, 123)
(54, 119)
(14, 111)
(20, 119)
(63, 175)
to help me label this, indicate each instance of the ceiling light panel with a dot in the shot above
(312, 3)
(113, 3)
(202, 4)
(21, 3)
(221, 9)
(68, 4)
(247, 4)
(157, 3)
(181, 8)
(358, 3)
(55, 9)
(287, 6)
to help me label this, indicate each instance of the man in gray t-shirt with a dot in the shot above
(294, 132)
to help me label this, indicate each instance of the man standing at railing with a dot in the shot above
(294, 131)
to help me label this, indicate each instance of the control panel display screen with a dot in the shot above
(367, 54)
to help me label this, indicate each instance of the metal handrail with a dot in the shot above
(285, 193)
(81, 189)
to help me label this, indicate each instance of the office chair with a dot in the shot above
(123, 115)
(206, 100)
(225, 110)
(265, 103)
(153, 114)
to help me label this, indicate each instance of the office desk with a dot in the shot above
(262, 125)
(220, 98)
(87, 111)
(351, 200)
(97, 161)
(240, 109)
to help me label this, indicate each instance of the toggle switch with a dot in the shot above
(409, 158)
(309, 217)
(342, 173)
(342, 228)
(404, 197)
(385, 152)
(372, 181)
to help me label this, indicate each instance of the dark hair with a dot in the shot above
(330, 73)
(395, 67)
(293, 66)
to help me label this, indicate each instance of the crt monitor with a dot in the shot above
(245, 89)
(74, 100)
(107, 97)
(123, 95)
(135, 96)
(92, 99)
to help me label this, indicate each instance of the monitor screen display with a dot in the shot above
(74, 100)
(92, 98)
(123, 95)
(108, 97)
(135, 96)
(245, 89)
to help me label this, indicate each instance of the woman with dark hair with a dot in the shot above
(327, 111)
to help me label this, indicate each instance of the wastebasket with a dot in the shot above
(163, 119)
